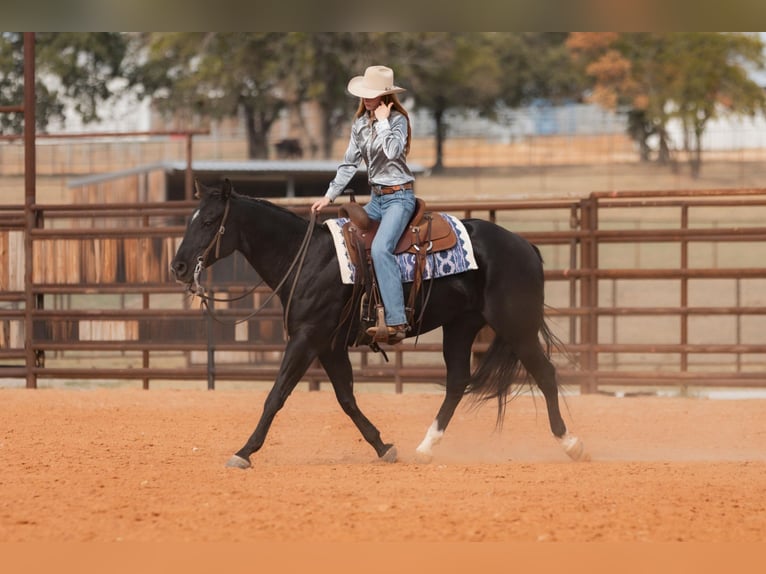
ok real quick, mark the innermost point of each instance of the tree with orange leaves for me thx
(692, 77)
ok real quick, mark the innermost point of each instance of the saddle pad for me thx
(439, 264)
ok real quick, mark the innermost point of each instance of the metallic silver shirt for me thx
(381, 146)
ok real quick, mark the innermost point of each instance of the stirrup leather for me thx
(380, 331)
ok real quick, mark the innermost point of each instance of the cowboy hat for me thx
(377, 81)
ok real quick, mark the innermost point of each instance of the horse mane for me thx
(267, 204)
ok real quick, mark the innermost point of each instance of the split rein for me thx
(199, 290)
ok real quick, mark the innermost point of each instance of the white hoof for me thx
(390, 455)
(424, 451)
(238, 462)
(423, 457)
(574, 448)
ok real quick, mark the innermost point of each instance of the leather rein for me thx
(215, 243)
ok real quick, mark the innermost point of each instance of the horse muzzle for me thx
(183, 273)
(187, 276)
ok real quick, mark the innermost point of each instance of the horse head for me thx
(205, 240)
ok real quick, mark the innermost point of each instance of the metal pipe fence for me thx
(644, 288)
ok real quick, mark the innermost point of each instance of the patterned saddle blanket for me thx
(457, 259)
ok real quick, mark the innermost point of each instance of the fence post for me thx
(30, 218)
(575, 221)
(589, 294)
(210, 342)
(188, 174)
(684, 243)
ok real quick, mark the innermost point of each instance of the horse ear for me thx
(198, 189)
(226, 189)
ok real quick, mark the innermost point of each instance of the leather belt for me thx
(386, 190)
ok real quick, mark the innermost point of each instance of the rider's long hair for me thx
(387, 99)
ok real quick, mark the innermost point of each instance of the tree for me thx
(217, 75)
(257, 75)
(77, 68)
(479, 71)
(692, 77)
(327, 61)
(712, 81)
(449, 71)
(260, 75)
(537, 65)
(626, 71)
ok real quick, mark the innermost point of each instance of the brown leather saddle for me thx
(426, 232)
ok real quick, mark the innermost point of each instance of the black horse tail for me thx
(500, 372)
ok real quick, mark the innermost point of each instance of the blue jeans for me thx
(393, 211)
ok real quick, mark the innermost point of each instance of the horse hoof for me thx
(238, 462)
(575, 448)
(390, 455)
(423, 457)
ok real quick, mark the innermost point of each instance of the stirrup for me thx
(388, 334)
(379, 332)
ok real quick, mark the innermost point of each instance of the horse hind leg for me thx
(424, 451)
(456, 347)
(574, 447)
(539, 366)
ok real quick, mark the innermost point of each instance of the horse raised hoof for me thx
(575, 448)
(238, 462)
(390, 455)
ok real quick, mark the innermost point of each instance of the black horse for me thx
(506, 293)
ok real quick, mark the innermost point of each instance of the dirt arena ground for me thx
(128, 467)
(131, 465)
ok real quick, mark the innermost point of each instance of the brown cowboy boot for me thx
(391, 334)
(397, 333)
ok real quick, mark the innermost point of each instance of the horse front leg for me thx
(295, 362)
(338, 367)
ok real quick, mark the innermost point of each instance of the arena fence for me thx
(643, 288)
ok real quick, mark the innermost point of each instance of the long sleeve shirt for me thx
(381, 145)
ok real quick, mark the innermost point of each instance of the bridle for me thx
(199, 290)
(300, 256)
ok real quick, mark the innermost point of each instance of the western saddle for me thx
(425, 233)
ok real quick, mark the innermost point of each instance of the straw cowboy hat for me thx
(377, 81)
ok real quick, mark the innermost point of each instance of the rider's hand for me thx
(320, 203)
(383, 111)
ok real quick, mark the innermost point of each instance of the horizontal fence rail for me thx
(644, 289)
